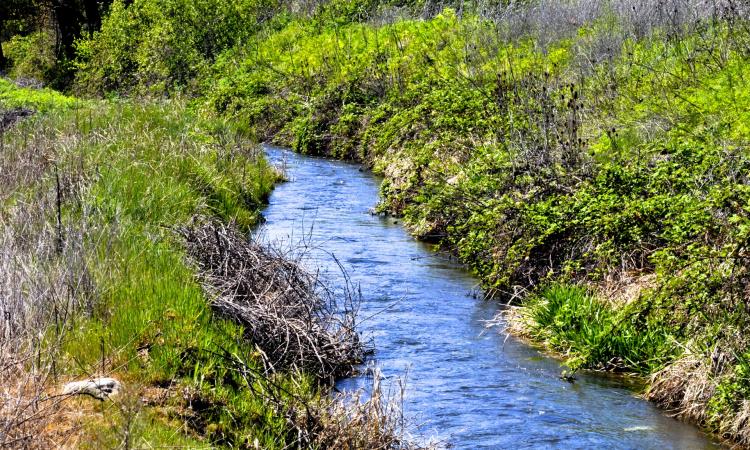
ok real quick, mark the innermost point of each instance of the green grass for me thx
(38, 99)
(593, 335)
(148, 167)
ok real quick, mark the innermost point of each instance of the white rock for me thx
(100, 388)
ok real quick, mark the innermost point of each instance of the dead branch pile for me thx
(289, 314)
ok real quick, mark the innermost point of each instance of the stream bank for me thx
(465, 385)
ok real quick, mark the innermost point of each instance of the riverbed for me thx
(465, 384)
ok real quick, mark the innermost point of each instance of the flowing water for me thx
(467, 385)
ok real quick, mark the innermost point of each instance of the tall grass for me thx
(95, 281)
(594, 335)
(44, 274)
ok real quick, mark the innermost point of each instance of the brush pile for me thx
(288, 313)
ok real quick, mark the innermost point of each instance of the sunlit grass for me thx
(143, 169)
(595, 335)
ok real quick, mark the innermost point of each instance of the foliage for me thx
(616, 149)
(526, 166)
(39, 99)
(159, 46)
(576, 323)
(54, 26)
(32, 57)
(545, 143)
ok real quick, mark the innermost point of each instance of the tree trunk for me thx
(68, 21)
(3, 59)
(93, 16)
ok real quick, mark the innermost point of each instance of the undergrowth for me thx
(113, 182)
(612, 149)
(547, 144)
(142, 169)
(591, 334)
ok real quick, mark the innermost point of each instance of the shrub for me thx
(32, 57)
(162, 46)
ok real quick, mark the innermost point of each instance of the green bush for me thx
(32, 56)
(163, 46)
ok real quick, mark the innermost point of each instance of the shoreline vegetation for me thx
(588, 160)
(109, 270)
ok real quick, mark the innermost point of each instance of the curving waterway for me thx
(465, 385)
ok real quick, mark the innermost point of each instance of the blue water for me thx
(465, 384)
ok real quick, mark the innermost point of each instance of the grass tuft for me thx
(593, 335)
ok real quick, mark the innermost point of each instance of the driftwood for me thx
(99, 388)
(288, 313)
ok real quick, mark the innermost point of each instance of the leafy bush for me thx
(160, 46)
(32, 56)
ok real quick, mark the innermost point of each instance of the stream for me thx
(467, 385)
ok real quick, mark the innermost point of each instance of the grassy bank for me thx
(110, 180)
(587, 159)
(96, 200)
(608, 153)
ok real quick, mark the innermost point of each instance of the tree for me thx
(3, 59)
(14, 10)
(73, 17)
(69, 18)
(92, 9)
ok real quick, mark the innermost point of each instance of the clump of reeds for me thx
(694, 388)
(684, 388)
(351, 422)
(740, 424)
(287, 311)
